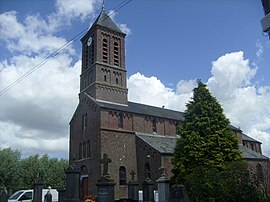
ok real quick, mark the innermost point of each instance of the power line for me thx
(55, 53)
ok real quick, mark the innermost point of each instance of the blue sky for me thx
(169, 45)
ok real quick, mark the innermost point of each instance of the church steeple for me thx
(103, 61)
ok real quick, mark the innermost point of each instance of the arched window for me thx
(84, 149)
(120, 120)
(154, 125)
(105, 50)
(86, 56)
(88, 148)
(80, 151)
(147, 171)
(92, 52)
(84, 121)
(260, 173)
(122, 175)
(116, 54)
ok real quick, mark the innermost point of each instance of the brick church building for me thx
(136, 137)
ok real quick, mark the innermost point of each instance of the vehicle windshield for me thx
(15, 195)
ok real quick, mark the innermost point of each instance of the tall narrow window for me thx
(105, 50)
(154, 125)
(88, 149)
(105, 78)
(120, 120)
(84, 121)
(116, 54)
(92, 52)
(84, 150)
(86, 56)
(117, 81)
(80, 151)
(122, 175)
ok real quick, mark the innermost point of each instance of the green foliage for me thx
(205, 137)
(17, 173)
(230, 184)
(207, 159)
(9, 170)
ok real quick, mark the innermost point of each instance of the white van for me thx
(27, 195)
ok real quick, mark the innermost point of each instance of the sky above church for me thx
(169, 45)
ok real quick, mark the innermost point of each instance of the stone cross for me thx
(105, 161)
(132, 173)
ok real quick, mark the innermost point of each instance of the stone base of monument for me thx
(105, 189)
(133, 190)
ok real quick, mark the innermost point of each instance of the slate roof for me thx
(163, 144)
(247, 138)
(250, 154)
(104, 20)
(143, 109)
(166, 144)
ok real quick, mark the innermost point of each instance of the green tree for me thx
(17, 173)
(205, 139)
(9, 168)
(207, 159)
(51, 170)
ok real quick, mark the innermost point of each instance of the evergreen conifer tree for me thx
(205, 138)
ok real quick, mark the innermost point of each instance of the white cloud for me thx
(152, 91)
(245, 104)
(70, 9)
(41, 106)
(35, 114)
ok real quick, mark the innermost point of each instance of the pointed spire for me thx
(103, 5)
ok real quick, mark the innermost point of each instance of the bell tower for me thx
(103, 73)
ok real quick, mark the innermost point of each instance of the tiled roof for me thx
(166, 145)
(250, 154)
(104, 20)
(142, 109)
(163, 144)
(247, 138)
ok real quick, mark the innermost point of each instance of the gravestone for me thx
(148, 190)
(105, 185)
(3, 194)
(178, 193)
(163, 187)
(61, 195)
(133, 188)
(38, 186)
(72, 184)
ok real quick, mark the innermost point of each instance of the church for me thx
(137, 138)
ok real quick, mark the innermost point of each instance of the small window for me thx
(84, 121)
(154, 124)
(260, 176)
(88, 148)
(80, 151)
(92, 52)
(116, 81)
(120, 120)
(84, 149)
(105, 78)
(122, 175)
